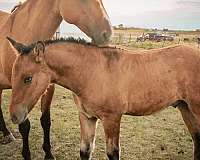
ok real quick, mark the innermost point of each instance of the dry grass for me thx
(127, 38)
(162, 136)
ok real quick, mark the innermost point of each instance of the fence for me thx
(124, 38)
(131, 39)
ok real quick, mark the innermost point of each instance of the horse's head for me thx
(90, 16)
(30, 79)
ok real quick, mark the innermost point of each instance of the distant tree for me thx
(165, 29)
(120, 26)
(198, 30)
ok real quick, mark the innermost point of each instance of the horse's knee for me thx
(114, 155)
(46, 124)
(24, 128)
(112, 130)
(45, 121)
(88, 127)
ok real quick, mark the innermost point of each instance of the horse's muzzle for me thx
(19, 117)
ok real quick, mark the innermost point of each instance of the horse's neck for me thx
(3, 17)
(70, 64)
(35, 20)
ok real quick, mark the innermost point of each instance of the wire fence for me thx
(126, 39)
(129, 39)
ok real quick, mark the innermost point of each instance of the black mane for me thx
(70, 40)
(29, 48)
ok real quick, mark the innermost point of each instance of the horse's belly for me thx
(145, 110)
(151, 103)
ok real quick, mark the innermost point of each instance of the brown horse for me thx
(40, 19)
(113, 83)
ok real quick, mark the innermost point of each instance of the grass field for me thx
(162, 136)
(128, 38)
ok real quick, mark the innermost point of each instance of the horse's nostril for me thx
(14, 118)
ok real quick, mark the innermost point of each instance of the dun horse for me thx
(40, 19)
(113, 83)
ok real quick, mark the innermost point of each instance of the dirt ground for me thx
(162, 136)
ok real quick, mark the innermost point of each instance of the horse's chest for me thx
(99, 105)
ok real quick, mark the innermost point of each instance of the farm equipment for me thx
(155, 37)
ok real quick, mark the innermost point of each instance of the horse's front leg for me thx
(46, 120)
(111, 124)
(24, 129)
(88, 128)
(8, 137)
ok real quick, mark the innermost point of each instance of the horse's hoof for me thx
(8, 139)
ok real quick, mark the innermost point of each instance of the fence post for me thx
(163, 43)
(120, 39)
(130, 37)
(179, 41)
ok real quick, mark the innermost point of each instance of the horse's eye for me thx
(28, 79)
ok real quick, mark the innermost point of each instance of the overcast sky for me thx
(173, 14)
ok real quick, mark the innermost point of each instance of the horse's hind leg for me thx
(46, 120)
(111, 124)
(88, 127)
(8, 137)
(192, 122)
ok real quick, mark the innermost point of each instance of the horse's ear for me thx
(18, 46)
(39, 51)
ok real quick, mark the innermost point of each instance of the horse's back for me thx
(160, 77)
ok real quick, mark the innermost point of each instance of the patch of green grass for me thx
(162, 136)
(149, 44)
